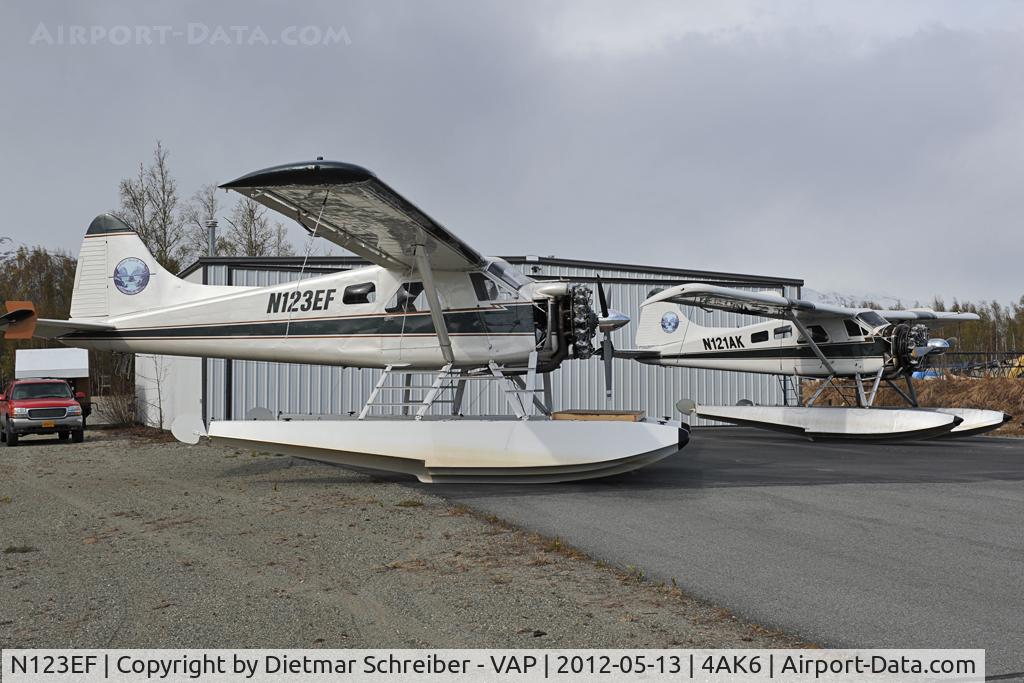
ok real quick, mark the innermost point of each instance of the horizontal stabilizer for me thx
(53, 329)
(20, 320)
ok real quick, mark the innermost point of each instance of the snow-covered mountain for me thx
(855, 299)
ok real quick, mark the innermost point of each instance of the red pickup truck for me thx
(40, 406)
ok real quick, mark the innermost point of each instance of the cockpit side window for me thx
(484, 287)
(852, 328)
(408, 299)
(508, 275)
(490, 287)
(818, 334)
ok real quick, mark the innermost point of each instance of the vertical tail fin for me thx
(661, 323)
(116, 273)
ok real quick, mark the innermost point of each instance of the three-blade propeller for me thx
(609, 321)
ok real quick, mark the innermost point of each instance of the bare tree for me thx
(280, 246)
(157, 379)
(252, 233)
(202, 207)
(175, 231)
(134, 208)
(150, 204)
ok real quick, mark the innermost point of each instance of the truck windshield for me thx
(41, 390)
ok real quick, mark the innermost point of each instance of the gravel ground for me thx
(127, 540)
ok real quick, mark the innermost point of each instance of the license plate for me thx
(49, 423)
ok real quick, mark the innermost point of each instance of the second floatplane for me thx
(856, 350)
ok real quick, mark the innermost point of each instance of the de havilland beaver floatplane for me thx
(429, 304)
(800, 338)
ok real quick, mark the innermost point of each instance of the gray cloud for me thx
(866, 148)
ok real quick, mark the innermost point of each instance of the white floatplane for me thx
(430, 304)
(802, 338)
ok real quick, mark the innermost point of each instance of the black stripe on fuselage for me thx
(873, 348)
(514, 319)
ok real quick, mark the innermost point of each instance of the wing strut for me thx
(810, 341)
(436, 314)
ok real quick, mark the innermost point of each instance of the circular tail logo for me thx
(131, 275)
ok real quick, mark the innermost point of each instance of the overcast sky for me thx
(862, 146)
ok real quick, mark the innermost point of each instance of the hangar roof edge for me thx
(321, 262)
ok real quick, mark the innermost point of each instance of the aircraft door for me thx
(408, 330)
(358, 336)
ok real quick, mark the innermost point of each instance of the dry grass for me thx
(117, 409)
(19, 549)
(145, 434)
(413, 564)
(989, 393)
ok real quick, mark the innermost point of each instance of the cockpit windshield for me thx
(872, 319)
(507, 274)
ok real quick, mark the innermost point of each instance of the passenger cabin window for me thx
(783, 332)
(408, 299)
(818, 334)
(759, 337)
(852, 328)
(484, 287)
(363, 293)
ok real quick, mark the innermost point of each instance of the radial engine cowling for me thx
(911, 346)
(583, 321)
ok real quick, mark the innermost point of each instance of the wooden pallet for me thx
(606, 415)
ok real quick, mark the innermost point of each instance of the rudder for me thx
(116, 273)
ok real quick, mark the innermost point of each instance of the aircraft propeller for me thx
(609, 321)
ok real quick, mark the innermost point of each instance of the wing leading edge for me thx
(771, 305)
(349, 206)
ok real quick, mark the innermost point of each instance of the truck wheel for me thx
(77, 435)
(12, 439)
(63, 436)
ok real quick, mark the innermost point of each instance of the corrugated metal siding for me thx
(307, 389)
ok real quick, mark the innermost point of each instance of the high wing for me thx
(926, 314)
(351, 207)
(771, 305)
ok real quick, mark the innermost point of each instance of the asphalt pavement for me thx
(844, 544)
